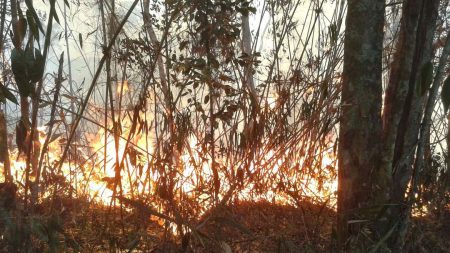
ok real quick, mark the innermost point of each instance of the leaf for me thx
(72, 98)
(35, 64)
(133, 155)
(333, 32)
(445, 94)
(20, 71)
(80, 38)
(183, 44)
(53, 10)
(44, 104)
(55, 137)
(30, 7)
(6, 93)
(20, 30)
(19, 11)
(110, 182)
(225, 78)
(32, 24)
(357, 221)
(55, 15)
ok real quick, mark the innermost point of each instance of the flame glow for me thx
(92, 171)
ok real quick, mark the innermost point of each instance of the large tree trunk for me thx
(360, 125)
(376, 160)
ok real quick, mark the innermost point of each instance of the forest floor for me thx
(241, 227)
(248, 227)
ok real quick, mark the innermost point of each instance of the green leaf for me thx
(33, 26)
(30, 7)
(35, 64)
(55, 16)
(445, 94)
(20, 71)
(6, 93)
(18, 64)
(53, 10)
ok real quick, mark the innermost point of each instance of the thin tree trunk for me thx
(24, 126)
(404, 106)
(399, 83)
(4, 153)
(408, 129)
(173, 156)
(248, 70)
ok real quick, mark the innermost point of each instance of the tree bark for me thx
(360, 124)
(376, 155)
(409, 125)
(399, 84)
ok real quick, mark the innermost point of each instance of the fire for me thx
(122, 87)
(93, 171)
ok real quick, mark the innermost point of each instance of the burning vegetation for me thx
(196, 126)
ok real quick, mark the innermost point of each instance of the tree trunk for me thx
(247, 49)
(360, 125)
(398, 89)
(408, 129)
(376, 159)
(4, 153)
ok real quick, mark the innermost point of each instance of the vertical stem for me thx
(4, 153)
